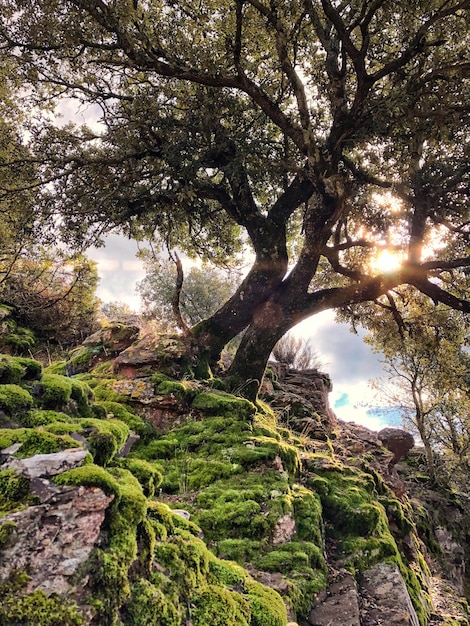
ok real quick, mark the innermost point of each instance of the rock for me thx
(284, 530)
(397, 441)
(138, 390)
(165, 354)
(182, 513)
(301, 398)
(51, 540)
(340, 607)
(130, 441)
(113, 338)
(47, 464)
(385, 598)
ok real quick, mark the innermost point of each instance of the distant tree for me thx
(204, 290)
(53, 295)
(296, 352)
(320, 133)
(427, 364)
(115, 309)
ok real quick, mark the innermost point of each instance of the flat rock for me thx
(341, 605)
(53, 539)
(385, 598)
(47, 464)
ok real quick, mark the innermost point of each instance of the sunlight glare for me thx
(387, 262)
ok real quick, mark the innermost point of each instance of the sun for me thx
(387, 262)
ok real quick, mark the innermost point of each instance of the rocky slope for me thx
(133, 494)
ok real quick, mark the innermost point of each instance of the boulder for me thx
(397, 441)
(46, 464)
(385, 598)
(53, 539)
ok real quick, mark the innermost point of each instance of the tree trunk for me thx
(236, 314)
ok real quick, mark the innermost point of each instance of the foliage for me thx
(204, 290)
(53, 295)
(320, 134)
(427, 364)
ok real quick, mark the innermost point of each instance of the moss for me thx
(10, 370)
(105, 438)
(221, 403)
(14, 398)
(35, 608)
(90, 475)
(219, 607)
(14, 491)
(6, 531)
(184, 391)
(149, 476)
(267, 606)
(83, 395)
(81, 360)
(148, 605)
(40, 417)
(42, 442)
(225, 572)
(308, 516)
(239, 550)
(58, 368)
(54, 391)
(123, 413)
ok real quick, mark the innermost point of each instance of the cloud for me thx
(119, 270)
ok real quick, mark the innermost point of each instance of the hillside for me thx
(132, 493)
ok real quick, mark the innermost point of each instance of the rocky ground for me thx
(132, 494)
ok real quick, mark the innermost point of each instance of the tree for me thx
(204, 290)
(53, 295)
(281, 125)
(427, 364)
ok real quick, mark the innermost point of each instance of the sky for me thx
(350, 362)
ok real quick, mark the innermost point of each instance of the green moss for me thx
(148, 605)
(14, 491)
(123, 413)
(90, 475)
(6, 531)
(219, 607)
(267, 606)
(82, 359)
(54, 391)
(308, 516)
(83, 396)
(221, 403)
(56, 368)
(40, 417)
(14, 398)
(239, 550)
(43, 442)
(149, 476)
(10, 370)
(184, 391)
(105, 438)
(225, 572)
(36, 608)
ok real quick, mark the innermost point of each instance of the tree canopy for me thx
(427, 370)
(320, 133)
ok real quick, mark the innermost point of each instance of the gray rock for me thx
(47, 464)
(340, 607)
(385, 598)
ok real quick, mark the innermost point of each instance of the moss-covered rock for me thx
(14, 399)
(53, 391)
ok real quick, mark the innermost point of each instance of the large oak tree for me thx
(319, 131)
